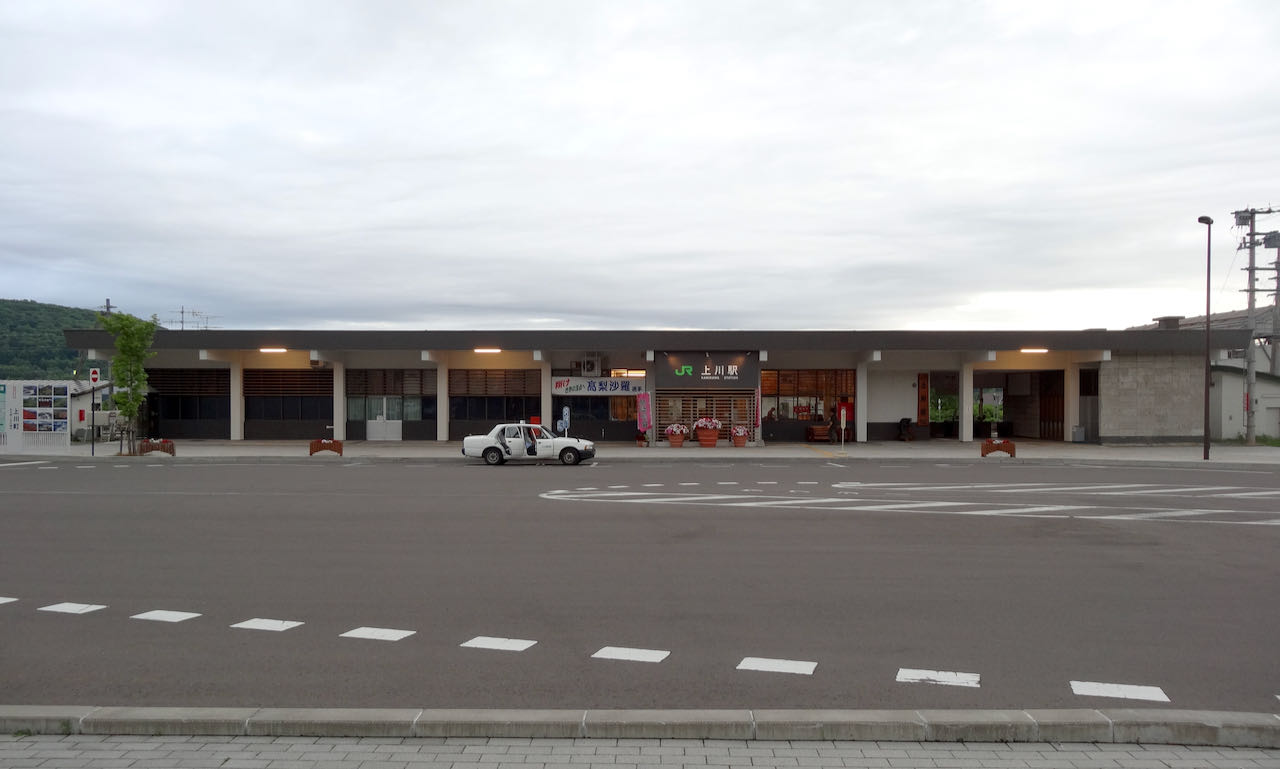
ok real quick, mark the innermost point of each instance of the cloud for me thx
(579, 164)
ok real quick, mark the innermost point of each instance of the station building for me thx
(1131, 386)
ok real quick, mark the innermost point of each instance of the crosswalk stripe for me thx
(274, 625)
(766, 665)
(631, 655)
(941, 677)
(162, 615)
(498, 644)
(378, 633)
(1123, 691)
(72, 608)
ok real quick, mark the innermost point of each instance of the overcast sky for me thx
(685, 164)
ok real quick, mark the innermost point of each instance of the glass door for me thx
(384, 415)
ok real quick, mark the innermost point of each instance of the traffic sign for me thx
(93, 375)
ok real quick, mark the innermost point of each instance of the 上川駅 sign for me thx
(707, 370)
(585, 385)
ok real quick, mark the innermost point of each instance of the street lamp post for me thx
(1208, 277)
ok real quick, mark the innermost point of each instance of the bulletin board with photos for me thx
(46, 408)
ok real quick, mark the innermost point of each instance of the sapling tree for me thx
(133, 347)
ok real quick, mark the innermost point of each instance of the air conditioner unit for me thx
(591, 366)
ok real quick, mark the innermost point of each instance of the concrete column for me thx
(964, 404)
(442, 401)
(339, 401)
(1071, 400)
(237, 400)
(548, 419)
(862, 395)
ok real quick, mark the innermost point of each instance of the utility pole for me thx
(1249, 216)
(1272, 240)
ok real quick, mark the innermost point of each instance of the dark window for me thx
(170, 406)
(429, 408)
(190, 407)
(215, 407)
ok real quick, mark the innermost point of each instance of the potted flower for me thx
(707, 430)
(739, 434)
(642, 437)
(676, 433)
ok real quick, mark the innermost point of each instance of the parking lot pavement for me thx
(162, 752)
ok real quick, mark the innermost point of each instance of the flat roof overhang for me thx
(1145, 340)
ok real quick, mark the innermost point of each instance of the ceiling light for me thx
(1034, 349)
(487, 349)
(272, 349)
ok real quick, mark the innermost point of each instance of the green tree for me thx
(133, 347)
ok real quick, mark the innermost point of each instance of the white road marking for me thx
(654, 485)
(275, 625)
(499, 644)
(72, 608)
(7, 600)
(726, 483)
(767, 665)
(631, 655)
(46, 468)
(161, 615)
(690, 484)
(942, 677)
(85, 467)
(378, 633)
(21, 464)
(1271, 493)
(618, 487)
(1167, 490)
(806, 483)
(767, 483)
(1122, 691)
(1157, 514)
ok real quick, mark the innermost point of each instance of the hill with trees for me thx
(31, 341)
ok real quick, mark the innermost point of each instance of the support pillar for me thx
(964, 403)
(861, 400)
(339, 401)
(1071, 400)
(442, 401)
(237, 400)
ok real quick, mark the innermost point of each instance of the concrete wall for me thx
(1151, 398)
(892, 396)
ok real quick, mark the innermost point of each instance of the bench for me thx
(818, 433)
(999, 444)
(326, 444)
(148, 445)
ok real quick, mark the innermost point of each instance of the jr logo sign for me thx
(709, 370)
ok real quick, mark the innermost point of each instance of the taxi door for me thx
(546, 448)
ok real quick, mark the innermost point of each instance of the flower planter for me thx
(739, 440)
(676, 441)
(707, 437)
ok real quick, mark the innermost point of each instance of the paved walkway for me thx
(931, 450)
(101, 752)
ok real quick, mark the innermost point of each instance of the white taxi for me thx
(519, 441)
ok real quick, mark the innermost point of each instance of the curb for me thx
(726, 458)
(1165, 727)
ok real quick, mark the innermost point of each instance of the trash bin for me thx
(1077, 434)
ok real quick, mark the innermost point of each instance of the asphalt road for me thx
(1013, 580)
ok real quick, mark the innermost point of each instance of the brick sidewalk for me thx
(104, 752)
